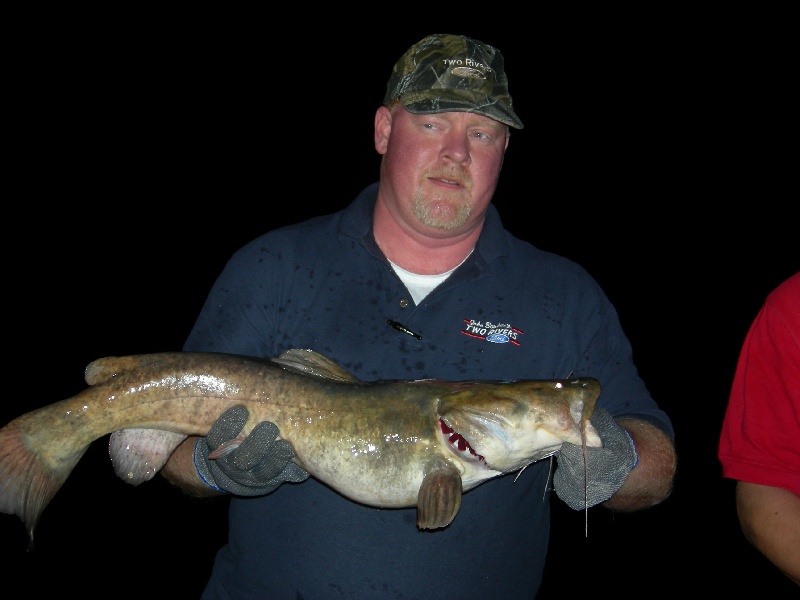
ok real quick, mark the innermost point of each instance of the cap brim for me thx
(462, 101)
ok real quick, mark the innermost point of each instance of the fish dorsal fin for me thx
(439, 498)
(107, 367)
(103, 369)
(309, 362)
(98, 371)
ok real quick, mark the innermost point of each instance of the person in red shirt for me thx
(760, 441)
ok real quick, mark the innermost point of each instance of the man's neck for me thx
(417, 253)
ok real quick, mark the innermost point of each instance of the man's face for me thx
(439, 172)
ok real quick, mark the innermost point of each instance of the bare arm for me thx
(180, 470)
(650, 482)
(770, 520)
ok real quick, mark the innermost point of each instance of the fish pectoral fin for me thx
(439, 498)
(225, 448)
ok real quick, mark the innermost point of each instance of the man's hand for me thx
(605, 470)
(257, 466)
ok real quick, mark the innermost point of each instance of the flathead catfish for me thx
(387, 444)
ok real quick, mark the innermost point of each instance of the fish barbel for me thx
(388, 444)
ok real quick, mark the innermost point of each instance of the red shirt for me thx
(760, 440)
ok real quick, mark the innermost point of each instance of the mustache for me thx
(458, 174)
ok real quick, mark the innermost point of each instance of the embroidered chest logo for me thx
(496, 333)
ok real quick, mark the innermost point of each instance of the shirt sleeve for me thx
(760, 438)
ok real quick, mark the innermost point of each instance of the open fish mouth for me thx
(459, 444)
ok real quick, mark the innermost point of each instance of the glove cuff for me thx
(201, 448)
(633, 448)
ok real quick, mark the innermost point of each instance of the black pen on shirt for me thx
(403, 329)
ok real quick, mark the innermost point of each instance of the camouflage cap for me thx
(452, 73)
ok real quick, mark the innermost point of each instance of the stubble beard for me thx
(442, 211)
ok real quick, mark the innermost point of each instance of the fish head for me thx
(507, 425)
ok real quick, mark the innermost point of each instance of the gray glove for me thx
(606, 467)
(256, 467)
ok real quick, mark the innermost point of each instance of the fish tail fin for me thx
(28, 483)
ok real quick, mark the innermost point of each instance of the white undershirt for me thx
(420, 286)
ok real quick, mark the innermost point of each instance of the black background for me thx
(146, 147)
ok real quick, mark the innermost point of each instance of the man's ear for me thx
(383, 129)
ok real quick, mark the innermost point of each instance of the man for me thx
(409, 282)
(759, 445)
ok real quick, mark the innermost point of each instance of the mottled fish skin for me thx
(386, 444)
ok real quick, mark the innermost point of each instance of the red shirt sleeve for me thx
(760, 439)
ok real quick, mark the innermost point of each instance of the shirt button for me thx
(403, 303)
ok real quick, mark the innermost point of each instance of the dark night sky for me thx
(152, 147)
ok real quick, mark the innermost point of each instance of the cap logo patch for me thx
(467, 72)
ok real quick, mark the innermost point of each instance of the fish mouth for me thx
(459, 444)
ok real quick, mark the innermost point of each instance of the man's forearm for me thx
(180, 470)
(650, 482)
(770, 520)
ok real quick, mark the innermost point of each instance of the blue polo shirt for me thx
(510, 311)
